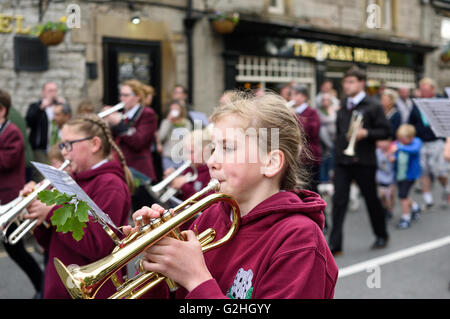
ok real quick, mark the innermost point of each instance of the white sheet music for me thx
(447, 91)
(437, 112)
(64, 183)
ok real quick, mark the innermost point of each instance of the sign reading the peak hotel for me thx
(322, 51)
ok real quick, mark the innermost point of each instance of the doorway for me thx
(125, 59)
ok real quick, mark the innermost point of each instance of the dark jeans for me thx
(364, 176)
(326, 166)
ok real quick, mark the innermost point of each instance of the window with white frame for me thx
(394, 77)
(276, 70)
(445, 29)
(276, 6)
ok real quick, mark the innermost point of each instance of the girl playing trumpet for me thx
(87, 143)
(279, 250)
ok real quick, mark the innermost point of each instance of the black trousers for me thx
(25, 261)
(364, 176)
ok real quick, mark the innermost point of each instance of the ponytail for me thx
(102, 130)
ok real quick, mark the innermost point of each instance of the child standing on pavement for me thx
(407, 170)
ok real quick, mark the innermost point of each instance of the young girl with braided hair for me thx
(87, 143)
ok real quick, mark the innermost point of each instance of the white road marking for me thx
(404, 253)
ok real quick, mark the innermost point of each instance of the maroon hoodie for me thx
(279, 251)
(136, 141)
(310, 121)
(106, 186)
(203, 178)
(12, 162)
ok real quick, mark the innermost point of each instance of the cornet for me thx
(85, 281)
(162, 192)
(12, 212)
(111, 110)
(356, 122)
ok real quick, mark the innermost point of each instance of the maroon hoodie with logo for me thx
(279, 251)
(106, 186)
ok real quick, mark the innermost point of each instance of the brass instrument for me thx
(85, 281)
(162, 192)
(356, 122)
(12, 212)
(111, 110)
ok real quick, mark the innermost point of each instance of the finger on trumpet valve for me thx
(155, 222)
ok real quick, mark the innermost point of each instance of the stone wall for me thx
(67, 61)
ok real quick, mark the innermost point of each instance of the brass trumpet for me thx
(356, 122)
(162, 193)
(111, 110)
(12, 212)
(85, 281)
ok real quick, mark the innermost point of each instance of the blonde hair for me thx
(429, 81)
(148, 89)
(54, 153)
(85, 106)
(269, 111)
(391, 94)
(92, 125)
(406, 130)
(137, 88)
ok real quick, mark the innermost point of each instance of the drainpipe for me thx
(189, 23)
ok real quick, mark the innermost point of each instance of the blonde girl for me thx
(279, 250)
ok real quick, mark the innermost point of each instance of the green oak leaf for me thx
(62, 199)
(62, 214)
(77, 229)
(48, 197)
(71, 216)
(82, 211)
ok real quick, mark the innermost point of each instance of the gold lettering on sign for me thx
(6, 24)
(340, 53)
(19, 29)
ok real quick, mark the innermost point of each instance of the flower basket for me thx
(223, 26)
(224, 23)
(51, 33)
(52, 37)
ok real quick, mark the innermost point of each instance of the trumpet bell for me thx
(349, 151)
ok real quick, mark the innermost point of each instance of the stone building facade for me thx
(85, 65)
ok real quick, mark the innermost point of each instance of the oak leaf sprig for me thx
(72, 216)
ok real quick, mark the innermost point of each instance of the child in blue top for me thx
(385, 175)
(407, 168)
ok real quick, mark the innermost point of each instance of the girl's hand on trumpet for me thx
(28, 188)
(36, 209)
(182, 261)
(113, 118)
(39, 211)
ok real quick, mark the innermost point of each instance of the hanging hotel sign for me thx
(10, 23)
(322, 51)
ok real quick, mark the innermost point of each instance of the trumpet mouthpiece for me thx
(214, 184)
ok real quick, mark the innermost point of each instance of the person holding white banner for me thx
(431, 158)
